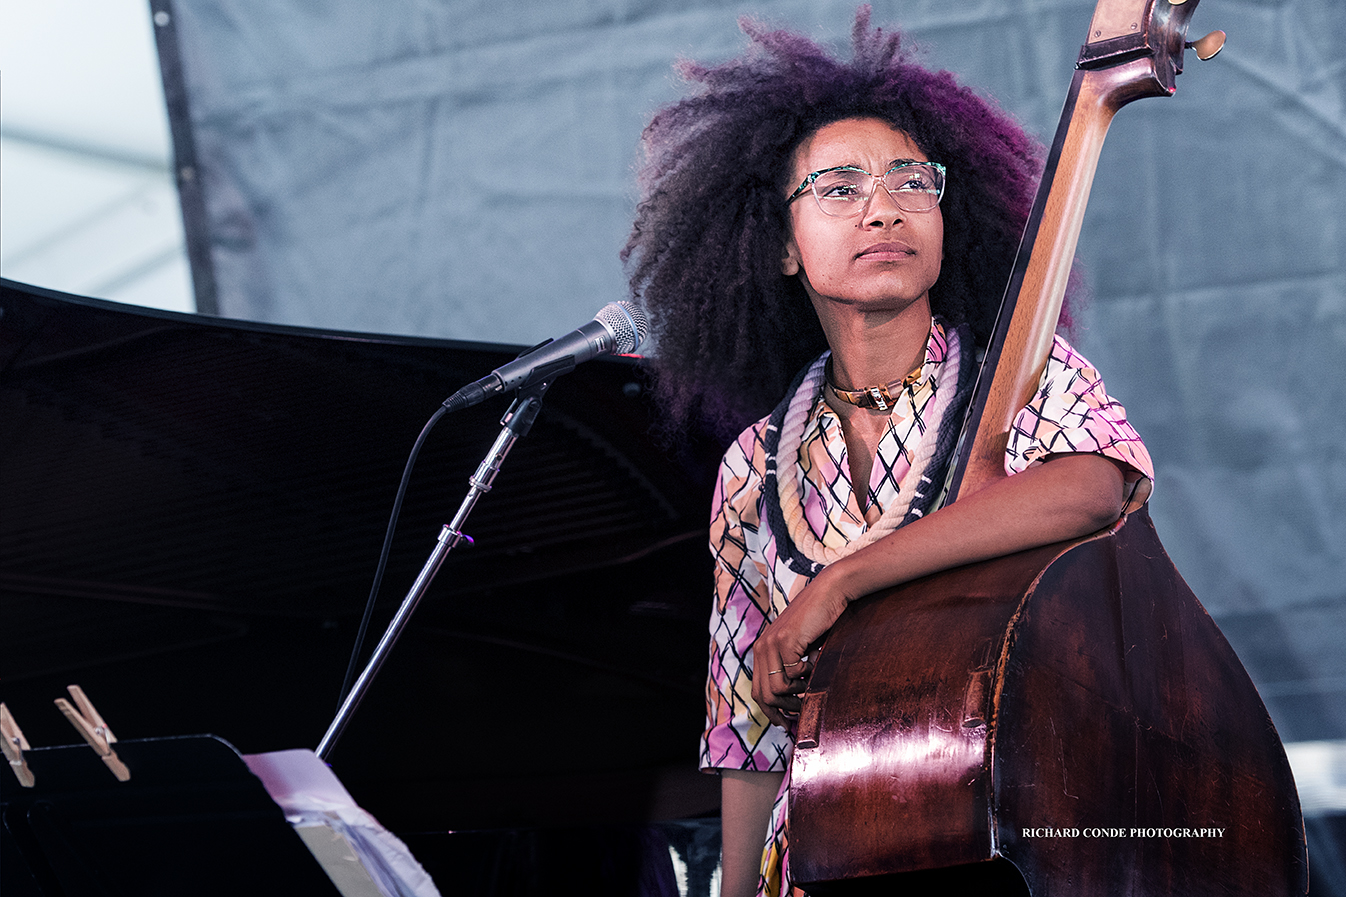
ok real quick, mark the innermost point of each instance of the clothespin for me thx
(89, 724)
(14, 744)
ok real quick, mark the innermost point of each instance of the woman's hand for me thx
(781, 662)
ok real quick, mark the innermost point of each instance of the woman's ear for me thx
(789, 263)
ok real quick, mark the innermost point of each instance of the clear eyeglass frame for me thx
(908, 199)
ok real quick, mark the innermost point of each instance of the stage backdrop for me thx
(334, 151)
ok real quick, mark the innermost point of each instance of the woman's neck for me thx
(870, 349)
(874, 348)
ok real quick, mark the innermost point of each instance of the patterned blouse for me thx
(1071, 412)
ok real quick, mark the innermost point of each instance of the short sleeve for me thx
(1072, 412)
(738, 735)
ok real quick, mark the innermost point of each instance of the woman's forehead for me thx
(863, 142)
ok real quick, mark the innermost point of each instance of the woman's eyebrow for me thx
(858, 166)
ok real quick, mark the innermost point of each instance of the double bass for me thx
(1066, 720)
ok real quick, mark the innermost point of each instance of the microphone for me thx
(618, 328)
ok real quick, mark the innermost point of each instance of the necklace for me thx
(879, 398)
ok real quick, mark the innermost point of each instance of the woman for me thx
(858, 220)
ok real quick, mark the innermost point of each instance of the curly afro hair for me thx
(704, 252)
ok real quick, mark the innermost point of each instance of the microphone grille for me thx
(626, 322)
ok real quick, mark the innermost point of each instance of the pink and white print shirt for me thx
(1071, 412)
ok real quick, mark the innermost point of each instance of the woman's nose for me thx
(881, 207)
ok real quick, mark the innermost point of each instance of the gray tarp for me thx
(340, 143)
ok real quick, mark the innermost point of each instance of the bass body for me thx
(1072, 710)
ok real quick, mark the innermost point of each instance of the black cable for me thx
(383, 556)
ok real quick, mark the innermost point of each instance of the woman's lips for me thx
(881, 251)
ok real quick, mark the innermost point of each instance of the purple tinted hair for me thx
(705, 249)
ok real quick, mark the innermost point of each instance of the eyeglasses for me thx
(845, 191)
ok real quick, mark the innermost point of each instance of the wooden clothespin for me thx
(89, 724)
(14, 744)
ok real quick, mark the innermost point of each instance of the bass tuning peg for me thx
(1207, 46)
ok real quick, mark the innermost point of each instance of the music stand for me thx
(192, 819)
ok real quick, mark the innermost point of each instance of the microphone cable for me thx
(383, 555)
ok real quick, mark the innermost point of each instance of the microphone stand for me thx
(518, 420)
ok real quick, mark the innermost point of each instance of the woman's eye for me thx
(841, 191)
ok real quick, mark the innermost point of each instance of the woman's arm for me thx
(737, 742)
(1065, 497)
(745, 813)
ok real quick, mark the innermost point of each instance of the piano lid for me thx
(191, 511)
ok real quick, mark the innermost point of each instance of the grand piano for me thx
(191, 512)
